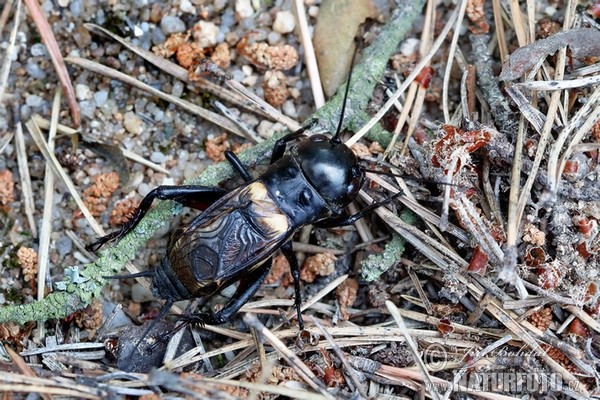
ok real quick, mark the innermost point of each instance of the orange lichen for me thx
(215, 148)
(262, 55)
(279, 269)
(476, 14)
(346, 293)
(189, 54)
(275, 88)
(171, 45)
(96, 196)
(321, 264)
(122, 211)
(221, 55)
(6, 190)
(28, 260)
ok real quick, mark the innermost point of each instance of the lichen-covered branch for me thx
(87, 283)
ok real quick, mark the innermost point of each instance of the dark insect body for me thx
(235, 237)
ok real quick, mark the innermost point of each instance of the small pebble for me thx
(243, 9)
(205, 34)
(82, 92)
(38, 50)
(170, 25)
(289, 109)
(35, 71)
(158, 157)
(33, 100)
(100, 97)
(76, 7)
(87, 108)
(143, 189)
(64, 245)
(132, 123)
(158, 36)
(313, 11)
(82, 37)
(187, 7)
(63, 3)
(177, 89)
(284, 22)
(273, 38)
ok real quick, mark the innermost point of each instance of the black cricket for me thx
(235, 237)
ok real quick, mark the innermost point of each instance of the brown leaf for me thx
(334, 38)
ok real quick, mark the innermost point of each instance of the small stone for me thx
(313, 11)
(87, 108)
(100, 97)
(243, 9)
(76, 7)
(33, 100)
(64, 245)
(132, 123)
(177, 89)
(82, 92)
(170, 25)
(284, 22)
(187, 7)
(289, 109)
(38, 50)
(82, 37)
(143, 189)
(35, 71)
(63, 3)
(205, 34)
(157, 157)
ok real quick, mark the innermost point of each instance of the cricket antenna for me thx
(336, 138)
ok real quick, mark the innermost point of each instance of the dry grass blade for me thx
(436, 252)
(424, 61)
(23, 366)
(30, 384)
(57, 60)
(25, 177)
(309, 55)
(39, 140)
(413, 348)
(10, 49)
(476, 358)
(451, 53)
(566, 84)
(496, 309)
(556, 163)
(349, 369)
(292, 359)
(65, 130)
(186, 105)
(46, 228)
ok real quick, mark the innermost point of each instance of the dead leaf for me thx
(334, 38)
(583, 43)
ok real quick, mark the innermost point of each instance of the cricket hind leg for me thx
(193, 196)
(246, 289)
